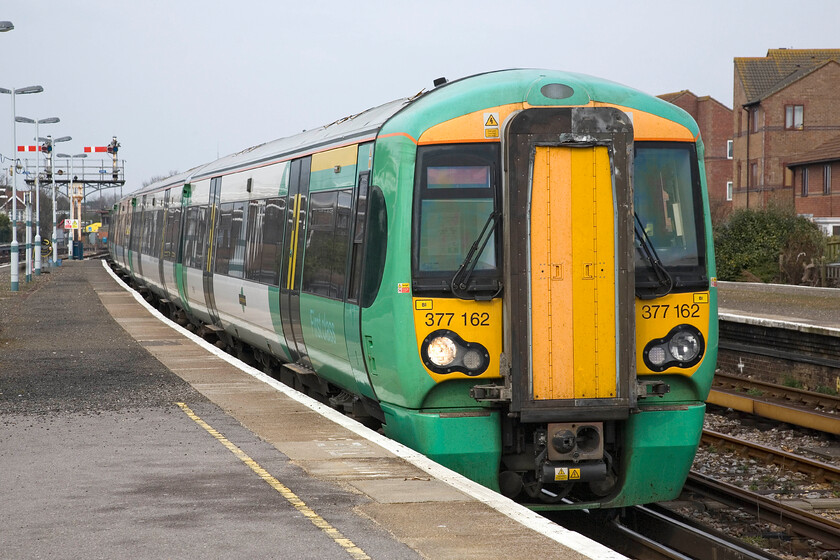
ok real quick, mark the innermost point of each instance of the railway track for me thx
(793, 520)
(653, 532)
(794, 406)
(817, 470)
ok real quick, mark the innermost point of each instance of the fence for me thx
(832, 251)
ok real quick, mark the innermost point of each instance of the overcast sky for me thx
(180, 82)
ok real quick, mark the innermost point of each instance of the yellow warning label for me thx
(491, 121)
(423, 304)
(491, 132)
(562, 474)
(701, 298)
(574, 474)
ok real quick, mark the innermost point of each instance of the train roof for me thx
(411, 114)
(531, 87)
(345, 130)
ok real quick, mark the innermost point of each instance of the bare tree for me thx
(157, 178)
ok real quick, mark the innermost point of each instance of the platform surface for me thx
(121, 437)
(819, 307)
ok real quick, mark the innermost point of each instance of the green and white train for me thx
(511, 273)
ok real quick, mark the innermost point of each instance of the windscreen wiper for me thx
(462, 275)
(666, 283)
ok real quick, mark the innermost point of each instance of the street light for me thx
(70, 239)
(52, 141)
(14, 249)
(36, 122)
(6, 26)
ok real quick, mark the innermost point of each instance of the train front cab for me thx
(553, 296)
(606, 424)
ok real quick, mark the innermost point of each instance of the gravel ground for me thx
(769, 480)
(61, 352)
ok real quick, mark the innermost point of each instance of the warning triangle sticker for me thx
(491, 121)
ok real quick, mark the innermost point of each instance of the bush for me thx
(772, 244)
(5, 229)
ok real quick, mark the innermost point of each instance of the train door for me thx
(570, 264)
(164, 222)
(572, 274)
(290, 280)
(207, 271)
(352, 311)
(137, 237)
(182, 233)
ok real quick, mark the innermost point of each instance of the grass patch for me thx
(793, 383)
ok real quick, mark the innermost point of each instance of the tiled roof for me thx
(671, 97)
(780, 68)
(829, 151)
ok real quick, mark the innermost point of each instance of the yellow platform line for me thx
(354, 551)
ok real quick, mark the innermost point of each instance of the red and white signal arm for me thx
(89, 149)
(29, 148)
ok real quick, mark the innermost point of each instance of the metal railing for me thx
(84, 170)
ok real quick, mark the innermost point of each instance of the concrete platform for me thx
(795, 307)
(105, 453)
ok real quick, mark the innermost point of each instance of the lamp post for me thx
(70, 239)
(37, 123)
(14, 249)
(51, 142)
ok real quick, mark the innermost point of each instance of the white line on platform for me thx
(778, 323)
(508, 507)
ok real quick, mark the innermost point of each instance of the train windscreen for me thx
(455, 214)
(668, 205)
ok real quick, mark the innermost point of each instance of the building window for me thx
(827, 178)
(754, 118)
(753, 175)
(804, 181)
(729, 149)
(729, 190)
(794, 117)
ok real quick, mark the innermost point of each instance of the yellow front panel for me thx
(656, 317)
(473, 321)
(572, 274)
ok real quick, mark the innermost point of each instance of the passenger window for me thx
(327, 244)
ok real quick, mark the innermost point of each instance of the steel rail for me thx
(654, 532)
(737, 398)
(800, 522)
(821, 472)
(680, 534)
(794, 395)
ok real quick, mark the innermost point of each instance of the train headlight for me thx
(443, 351)
(682, 347)
(657, 355)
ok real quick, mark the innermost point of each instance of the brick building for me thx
(715, 122)
(787, 113)
(816, 185)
